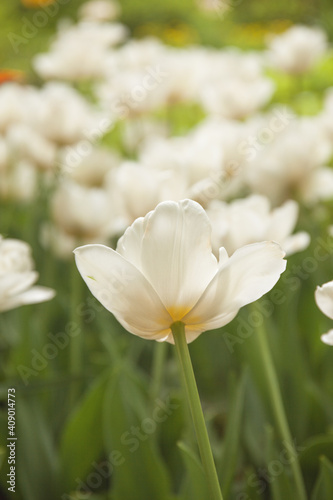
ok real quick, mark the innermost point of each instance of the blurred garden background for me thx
(107, 109)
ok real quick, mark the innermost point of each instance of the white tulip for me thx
(324, 300)
(63, 116)
(164, 271)
(18, 181)
(235, 85)
(17, 276)
(79, 52)
(250, 220)
(16, 103)
(27, 144)
(136, 189)
(289, 163)
(83, 213)
(99, 10)
(90, 170)
(298, 49)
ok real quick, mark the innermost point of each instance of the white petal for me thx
(318, 185)
(296, 242)
(247, 275)
(190, 332)
(327, 338)
(254, 203)
(282, 222)
(177, 256)
(123, 290)
(14, 283)
(35, 295)
(324, 298)
(130, 244)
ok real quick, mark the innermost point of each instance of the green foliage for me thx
(81, 441)
(195, 487)
(110, 434)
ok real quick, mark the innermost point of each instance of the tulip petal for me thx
(130, 244)
(177, 256)
(324, 298)
(123, 290)
(327, 338)
(35, 295)
(282, 221)
(247, 275)
(296, 242)
(15, 283)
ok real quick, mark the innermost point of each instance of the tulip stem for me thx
(279, 411)
(159, 355)
(178, 331)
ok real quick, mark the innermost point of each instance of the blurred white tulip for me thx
(289, 163)
(24, 143)
(17, 276)
(62, 114)
(136, 189)
(250, 220)
(81, 211)
(298, 49)
(16, 103)
(235, 85)
(89, 170)
(99, 10)
(80, 51)
(18, 181)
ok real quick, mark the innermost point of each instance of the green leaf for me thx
(35, 454)
(130, 429)
(324, 485)
(254, 486)
(310, 454)
(195, 487)
(82, 441)
(277, 469)
(226, 466)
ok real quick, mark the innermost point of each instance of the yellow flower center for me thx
(178, 312)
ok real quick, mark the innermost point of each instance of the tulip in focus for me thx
(17, 276)
(163, 271)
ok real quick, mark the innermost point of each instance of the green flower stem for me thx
(278, 409)
(178, 331)
(160, 352)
